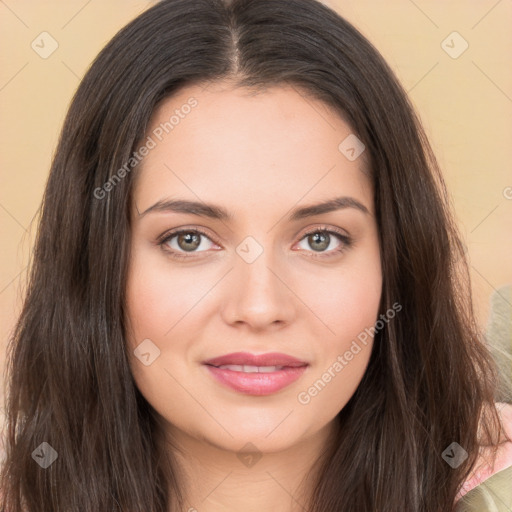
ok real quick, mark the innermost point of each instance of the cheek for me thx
(156, 297)
(157, 304)
(345, 300)
(345, 350)
(162, 303)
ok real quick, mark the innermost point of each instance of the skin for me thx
(259, 157)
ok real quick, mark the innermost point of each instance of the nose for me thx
(258, 295)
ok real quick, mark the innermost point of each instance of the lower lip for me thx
(257, 383)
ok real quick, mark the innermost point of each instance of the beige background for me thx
(465, 104)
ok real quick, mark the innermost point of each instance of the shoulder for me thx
(487, 466)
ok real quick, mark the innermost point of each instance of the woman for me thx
(247, 290)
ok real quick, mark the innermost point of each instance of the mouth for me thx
(256, 375)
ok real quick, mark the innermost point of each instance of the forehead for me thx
(271, 146)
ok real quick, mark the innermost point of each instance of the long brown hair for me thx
(430, 377)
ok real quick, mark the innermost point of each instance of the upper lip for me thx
(247, 359)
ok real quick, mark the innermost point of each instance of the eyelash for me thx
(346, 242)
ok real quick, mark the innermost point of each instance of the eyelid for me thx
(323, 227)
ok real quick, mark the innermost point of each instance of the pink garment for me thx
(485, 467)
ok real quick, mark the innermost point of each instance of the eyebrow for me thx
(218, 212)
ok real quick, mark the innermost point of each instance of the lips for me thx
(257, 360)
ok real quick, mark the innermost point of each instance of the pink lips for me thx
(255, 383)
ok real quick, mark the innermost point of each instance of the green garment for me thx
(493, 495)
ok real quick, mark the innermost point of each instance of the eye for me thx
(190, 241)
(187, 241)
(321, 239)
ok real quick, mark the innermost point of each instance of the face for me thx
(269, 276)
